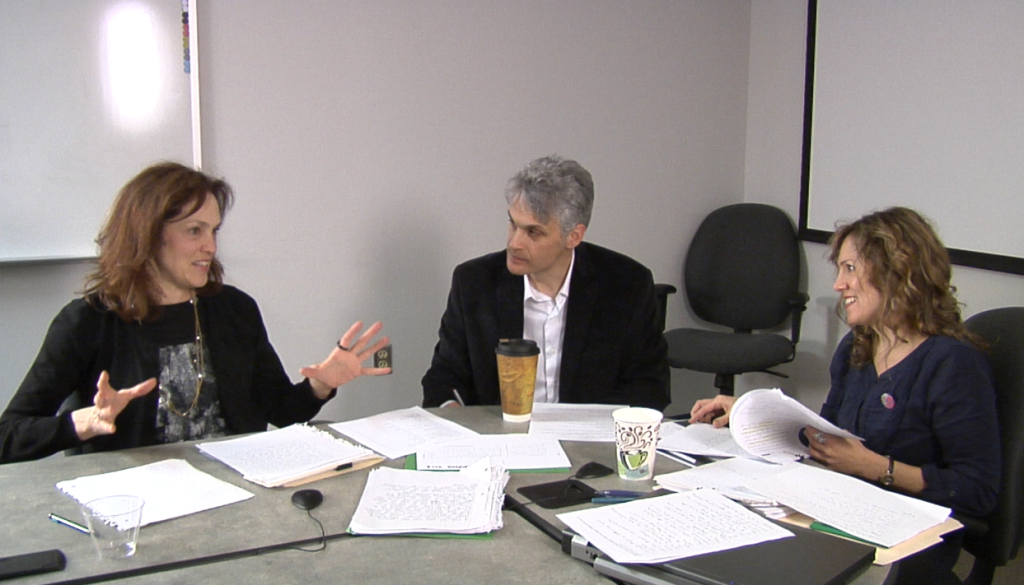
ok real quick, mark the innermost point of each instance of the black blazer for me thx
(614, 351)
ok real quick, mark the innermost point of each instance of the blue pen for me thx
(606, 500)
(615, 496)
(68, 523)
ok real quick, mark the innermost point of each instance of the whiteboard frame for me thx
(197, 143)
(971, 258)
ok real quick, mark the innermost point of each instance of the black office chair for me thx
(742, 271)
(995, 540)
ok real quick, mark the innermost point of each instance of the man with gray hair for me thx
(592, 311)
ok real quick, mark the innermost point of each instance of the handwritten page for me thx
(513, 452)
(656, 530)
(169, 488)
(400, 432)
(574, 422)
(282, 456)
(401, 501)
(767, 424)
(851, 505)
(703, 439)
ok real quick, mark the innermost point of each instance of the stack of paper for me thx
(288, 456)
(170, 488)
(402, 501)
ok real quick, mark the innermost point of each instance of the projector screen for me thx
(918, 103)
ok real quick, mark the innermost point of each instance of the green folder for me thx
(833, 530)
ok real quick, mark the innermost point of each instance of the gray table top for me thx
(518, 553)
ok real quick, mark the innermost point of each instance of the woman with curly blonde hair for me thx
(908, 378)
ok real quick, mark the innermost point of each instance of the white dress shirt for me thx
(544, 322)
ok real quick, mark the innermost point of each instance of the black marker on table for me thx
(68, 523)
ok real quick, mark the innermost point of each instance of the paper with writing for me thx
(654, 530)
(513, 452)
(851, 505)
(703, 439)
(767, 424)
(397, 501)
(400, 432)
(281, 456)
(574, 422)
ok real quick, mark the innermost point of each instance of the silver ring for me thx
(820, 438)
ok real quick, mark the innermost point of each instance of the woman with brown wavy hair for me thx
(908, 378)
(156, 315)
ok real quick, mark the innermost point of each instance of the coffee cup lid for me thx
(517, 347)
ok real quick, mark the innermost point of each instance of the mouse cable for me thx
(323, 536)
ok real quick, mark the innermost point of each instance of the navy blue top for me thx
(935, 409)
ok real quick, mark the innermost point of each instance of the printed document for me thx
(400, 432)
(170, 488)
(574, 422)
(661, 529)
(513, 452)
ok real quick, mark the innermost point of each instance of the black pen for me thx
(68, 523)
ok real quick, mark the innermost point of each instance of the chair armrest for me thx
(798, 304)
(661, 292)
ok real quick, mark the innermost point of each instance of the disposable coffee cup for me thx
(517, 374)
(636, 441)
(113, 523)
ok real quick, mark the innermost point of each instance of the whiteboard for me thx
(918, 103)
(93, 91)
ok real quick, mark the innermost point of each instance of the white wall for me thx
(369, 144)
(774, 130)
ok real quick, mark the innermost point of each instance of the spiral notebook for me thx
(290, 456)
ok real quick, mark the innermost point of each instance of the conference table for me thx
(258, 540)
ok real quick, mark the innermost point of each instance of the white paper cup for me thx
(636, 441)
(113, 523)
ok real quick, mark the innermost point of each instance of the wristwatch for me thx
(887, 479)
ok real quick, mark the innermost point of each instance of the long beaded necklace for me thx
(199, 361)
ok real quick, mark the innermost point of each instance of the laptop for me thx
(808, 558)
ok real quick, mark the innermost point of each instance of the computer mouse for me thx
(307, 499)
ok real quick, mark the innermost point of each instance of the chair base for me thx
(726, 384)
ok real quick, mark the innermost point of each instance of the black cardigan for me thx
(82, 341)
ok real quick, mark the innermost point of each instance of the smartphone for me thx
(558, 494)
(32, 563)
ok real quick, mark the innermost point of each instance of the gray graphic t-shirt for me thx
(180, 415)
